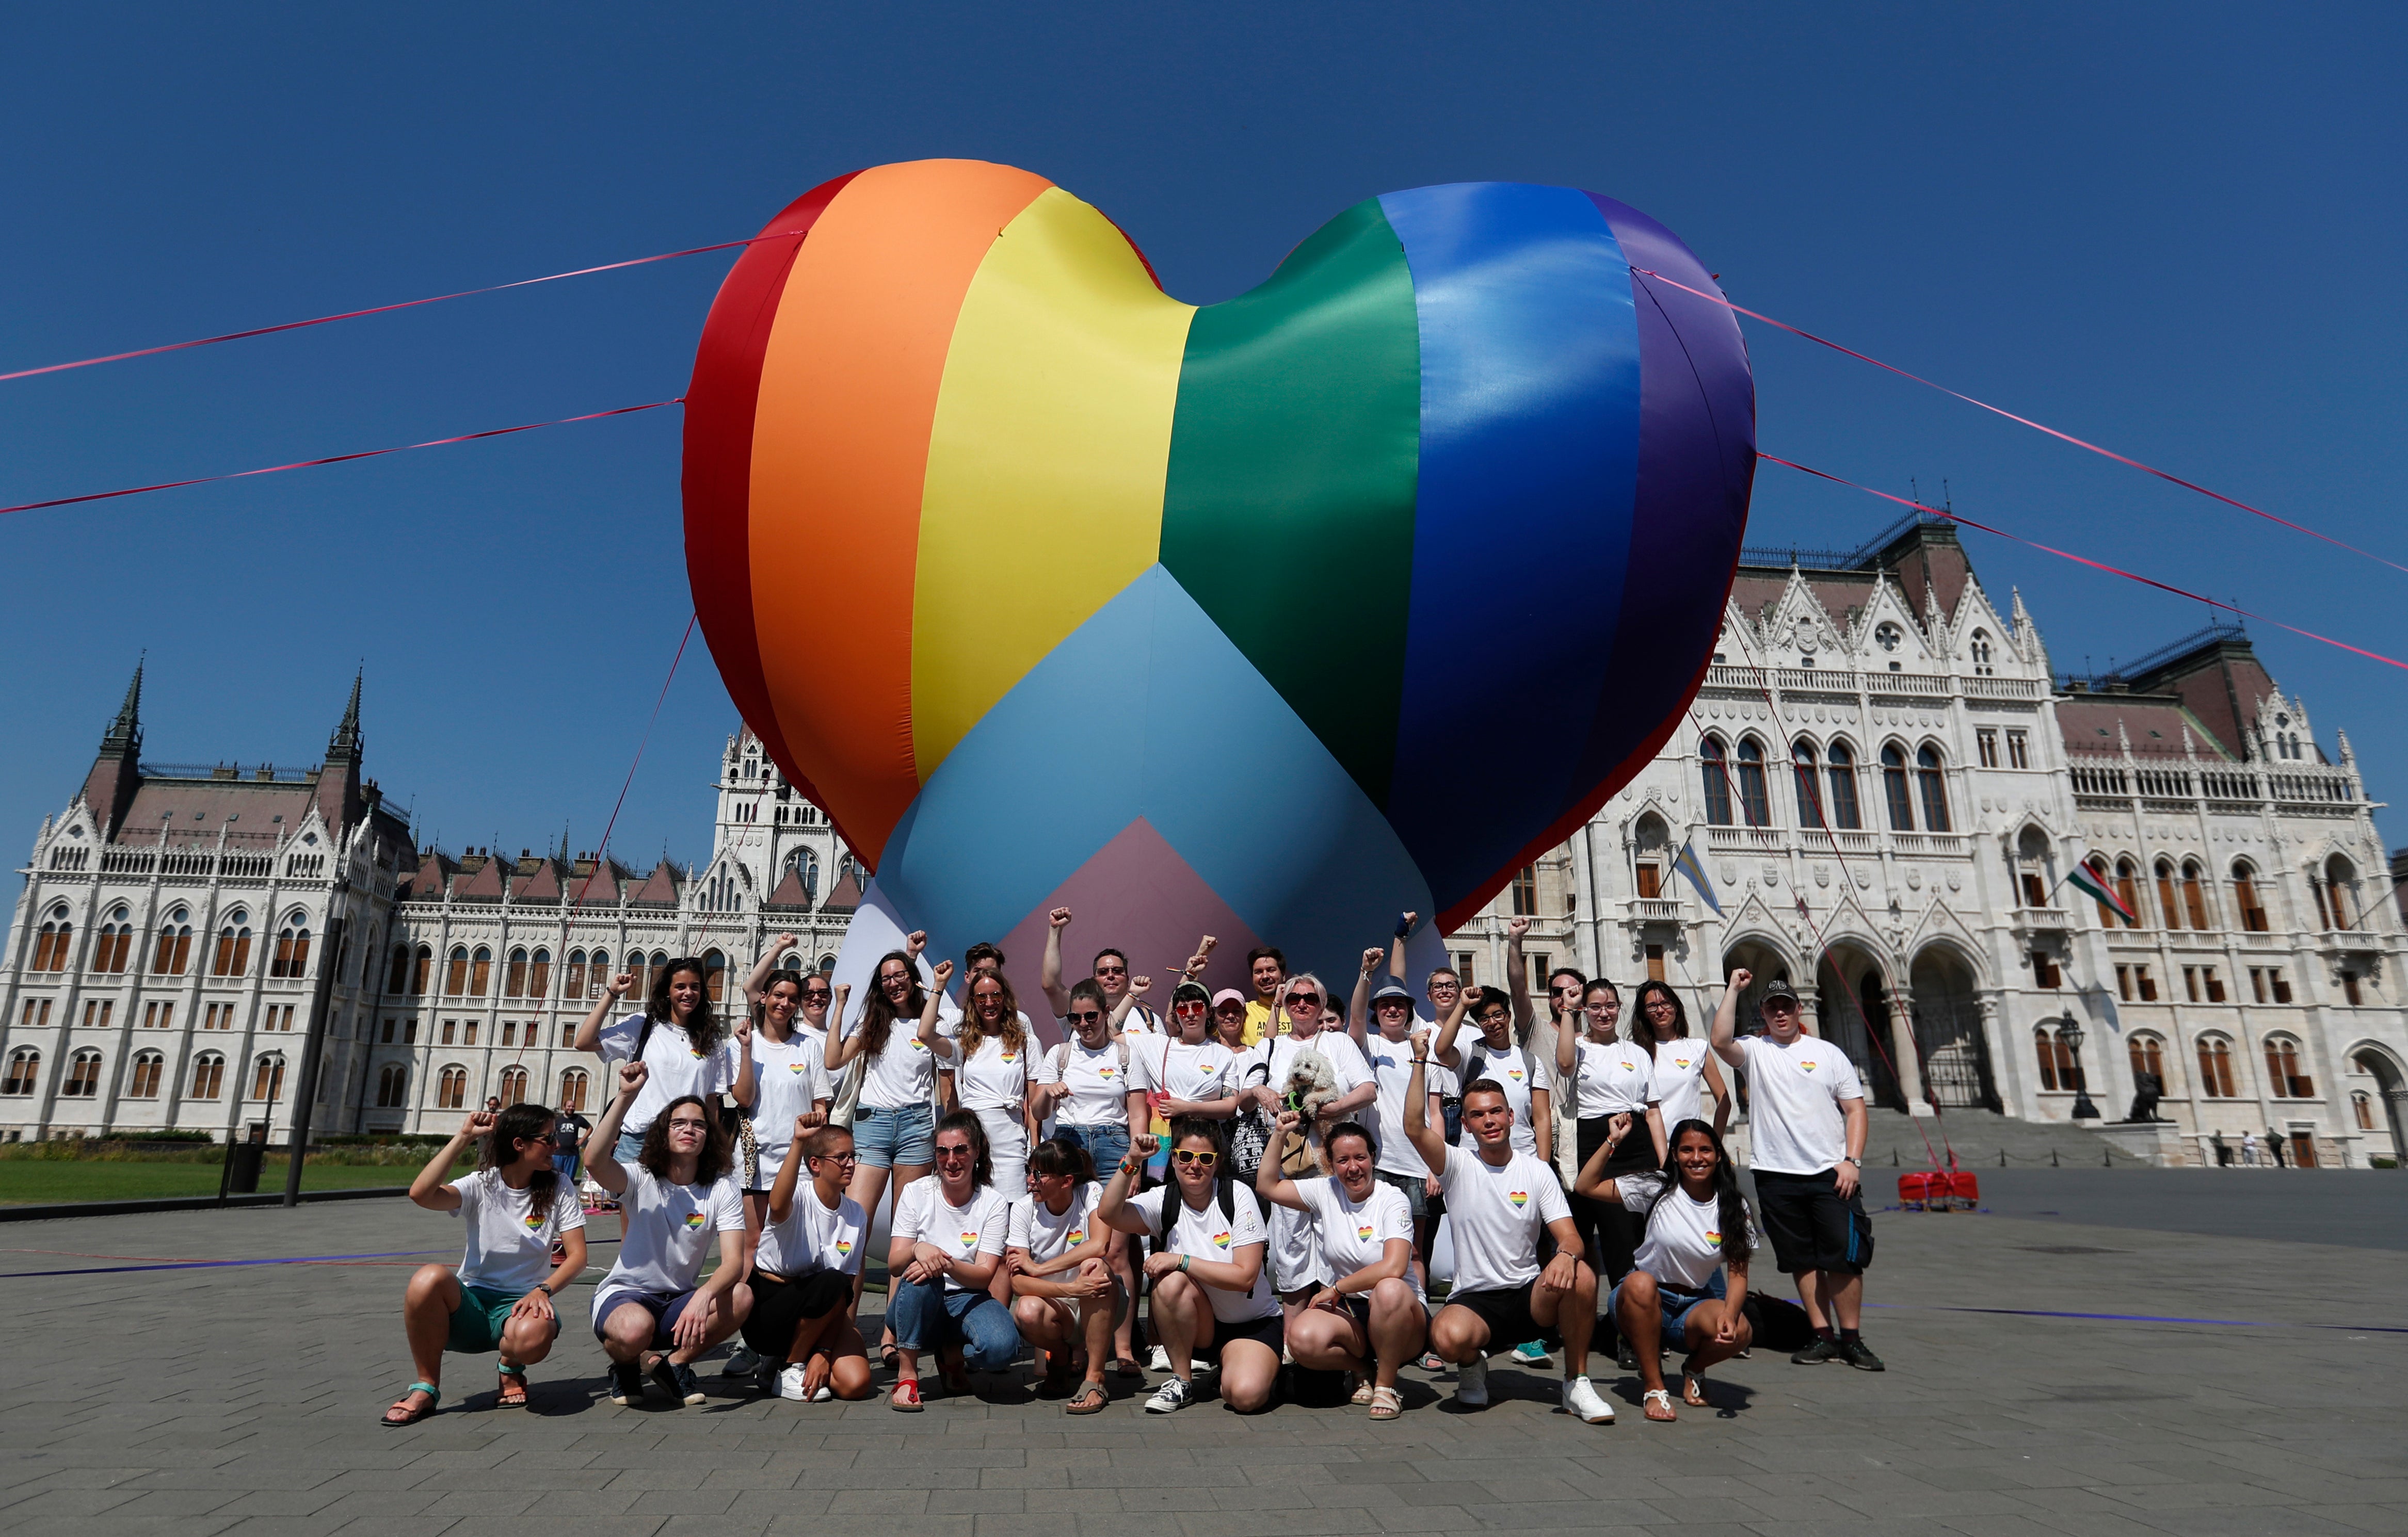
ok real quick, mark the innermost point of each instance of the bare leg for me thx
(1398, 1327)
(627, 1332)
(1844, 1294)
(726, 1317)
(1176, 1303)
(1249, 1373)
(1125, 1271)
(1705, 1321)
(1095, 1330)
(1571, 1314)
(1810, 1296)
(1639, 1313)
(427, 1308)
(1459, 1335)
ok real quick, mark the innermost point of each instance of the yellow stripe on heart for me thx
(1046, 461)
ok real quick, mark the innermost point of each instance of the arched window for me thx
(233, 958)
(480, 972)
(514, 1090)
(1716, 772)
(642, 989)
(397, 979)
(597, 976)
(1894, 790)
(2045, 1047)
(514, 977)
(2215, 1068)
(455, 972)
(2060, 1069)
(24, 1069)
(572, 1090)
(572, 984)
(2246, 897)
(2194, 894)
(268, 1078)
(1840, 770)
(2337, 894)
(83, 1075)
(174, 950)
(2148, 1055)
(827, 964)
(1810, 815)
(2283, 1070)
(1754, 800)
(1980, 649)
(209, 1075)
(393, 1087)
(2127, 886)
(540, 975)
(660, 963)
(115, 943)
(292, 950)
(2032, 868)
(2167, 910)
(2362, 1108)
(1935, 790)
(452, 1088)
(422, 967)
(50, 946)
(2098, 868)
(714, 975)
(144, 1085)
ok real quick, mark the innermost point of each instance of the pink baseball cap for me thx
(1228, 995)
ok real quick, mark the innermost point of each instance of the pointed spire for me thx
(345, 742)
(124, 737)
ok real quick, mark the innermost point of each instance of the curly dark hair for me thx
(1647, 989)
(1738, 1243)
(522, 1122)
(702, 1027)
(717, 1154)
(879, 1013)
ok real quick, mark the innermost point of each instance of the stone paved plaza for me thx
(243, 1400)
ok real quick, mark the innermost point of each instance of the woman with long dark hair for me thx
(1698, 1227)
(1065, 1297)
(685, 1046)
(678, 1190)
(790, 1088)
(1686, 1069)
(516, 1207)
(895, 1126)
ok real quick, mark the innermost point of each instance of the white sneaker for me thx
(1170, 1397)
(1581, 1402)
(790, 1382)
(1159, 1360)
(1471, 1384)
(742, 1361)
(824, 1395)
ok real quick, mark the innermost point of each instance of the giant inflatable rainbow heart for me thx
(1268, 619)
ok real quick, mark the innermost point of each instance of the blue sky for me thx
(2164, 228)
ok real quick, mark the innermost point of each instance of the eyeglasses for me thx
(954, 1152)
(834, 1158)
(547, 1138)
(1189, 1155)
(1086, 1016)
(1298, 999)
(1189, 1005)
(689, 1126)
(1655, 1004)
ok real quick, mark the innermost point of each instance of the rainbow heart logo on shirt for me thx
(697, 1053)
(844, 1247)
(796, 1068)
(1629, 1066)
(917, 1043)
(1364, 1233)
(1514, 1074)
(1806, 1062)
(1714, 1240)
(1078, 1236)
(1009, 1058)
(1681, 1062)
(1519, 1198)
(1106, 1071)
(693, 1221)
(970, 1241)
(533, 1222)
(1220, 1240)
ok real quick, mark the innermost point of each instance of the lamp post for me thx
(2070, 1034)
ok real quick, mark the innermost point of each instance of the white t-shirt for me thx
(673, 1067)
(923, 1216)
(1047, 1234)
(1197, 1073)
(1680, 1080)
(1793, 1102)
(903, 1074)
(509, 1248)
(1346, 1064)
(1517, 1070)
(669, 1230)
(1684, 1244)
(993, 1078)
(1497, 1215)
(813, 1238)
(1355, 1235)
(1097, 1081)
(1209, 1235)
(1392, 1068)
(789, 1080)
(1615, 1077)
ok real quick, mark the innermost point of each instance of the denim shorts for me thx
(1677, 1305)
(630, 1147)
(1106, 1145)
(885, 1136)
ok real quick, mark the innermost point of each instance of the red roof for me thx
(660, 888)
(845, 895)
(790, 892)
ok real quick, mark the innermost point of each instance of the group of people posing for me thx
(1264, 1176)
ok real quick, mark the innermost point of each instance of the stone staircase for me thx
(1896, 1141)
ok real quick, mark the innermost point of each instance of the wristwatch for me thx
(1850, 1158)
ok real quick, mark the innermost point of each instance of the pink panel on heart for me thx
(1138, 895)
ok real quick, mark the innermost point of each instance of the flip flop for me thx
(412, 1416)
(1091, 1399)
(905, 1398)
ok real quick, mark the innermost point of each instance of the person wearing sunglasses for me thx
(1085, 1086)
(1499, 1202)
(1295, 1258)
(1065, 1297)
(1110, 972)
(685, 1046)
(1211, 1293)
(790, 1081)
(679, 1191)
(1608, 1076)
(802, 1320)
(1186, 1070)
(516, 1207)
(950, 1230)
(1374, 1316)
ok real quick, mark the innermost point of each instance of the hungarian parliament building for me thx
(1880, 793)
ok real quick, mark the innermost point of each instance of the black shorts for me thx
(1810, 1227)
(1506, 1314)
(1270, 1333)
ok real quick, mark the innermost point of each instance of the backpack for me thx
(1173, 1204)
(1779, 1323)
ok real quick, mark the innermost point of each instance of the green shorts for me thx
(477, 1323)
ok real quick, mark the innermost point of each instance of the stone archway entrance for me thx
(1854, 1014)
(1948, 1033)
(2392, 1086)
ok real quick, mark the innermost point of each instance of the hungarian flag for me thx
(2093, 883)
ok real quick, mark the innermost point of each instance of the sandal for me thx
(1386, 1403)
(1124, 1367)
(1363, 1391)
(1656, 1404)
(1693, 1387)
(513, 1391)
(408, 1414)
(905, 1398)
(1091, 1399)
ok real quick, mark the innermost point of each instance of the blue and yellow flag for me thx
(1686, 862)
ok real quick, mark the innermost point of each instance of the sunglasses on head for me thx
(1084, 1017)
(1189, 1155)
